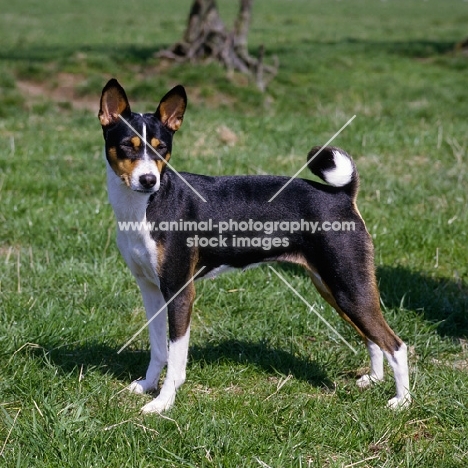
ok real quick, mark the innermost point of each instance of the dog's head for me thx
(138, 146)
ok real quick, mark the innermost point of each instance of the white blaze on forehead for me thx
(342, 173)
(146, 165)
(143, 134)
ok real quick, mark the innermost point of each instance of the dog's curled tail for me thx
(335, 166)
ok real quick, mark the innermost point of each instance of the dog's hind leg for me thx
(376, 373)
(355, 296)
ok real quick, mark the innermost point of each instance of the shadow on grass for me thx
(439, 300)
(127, 366)
(263, 356)
(131, 365)
(412, 48)
(45, 54)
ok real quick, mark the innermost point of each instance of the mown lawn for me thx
(268, 384)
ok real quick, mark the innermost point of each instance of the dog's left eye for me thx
(161, 148)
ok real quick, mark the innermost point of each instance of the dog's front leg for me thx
(179, 311)
(154, 303)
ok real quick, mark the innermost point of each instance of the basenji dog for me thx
(202, 225)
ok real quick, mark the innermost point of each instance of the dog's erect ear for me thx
(114, 102)
(172, 107)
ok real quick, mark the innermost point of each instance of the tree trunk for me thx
(206, 38)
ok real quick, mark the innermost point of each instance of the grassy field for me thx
(268, 384)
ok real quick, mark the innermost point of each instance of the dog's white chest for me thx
(140, 253)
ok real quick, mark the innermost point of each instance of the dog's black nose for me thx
(148, 180)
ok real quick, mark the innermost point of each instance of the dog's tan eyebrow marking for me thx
(136, 142)
(155, 142)
(160, 163)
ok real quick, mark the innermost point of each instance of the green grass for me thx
(281, 391)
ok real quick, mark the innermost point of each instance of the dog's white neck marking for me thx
(136, 245)
(128, 204)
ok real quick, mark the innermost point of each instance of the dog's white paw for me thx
(364, 381)
(158, 405)
(141, 386)
(367, 380)
(399, 403)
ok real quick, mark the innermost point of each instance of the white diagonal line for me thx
(312, 308)
(315, 155)
(9, 432)
(160, 310)
(156, 152)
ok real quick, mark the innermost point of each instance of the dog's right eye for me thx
(127, 145)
